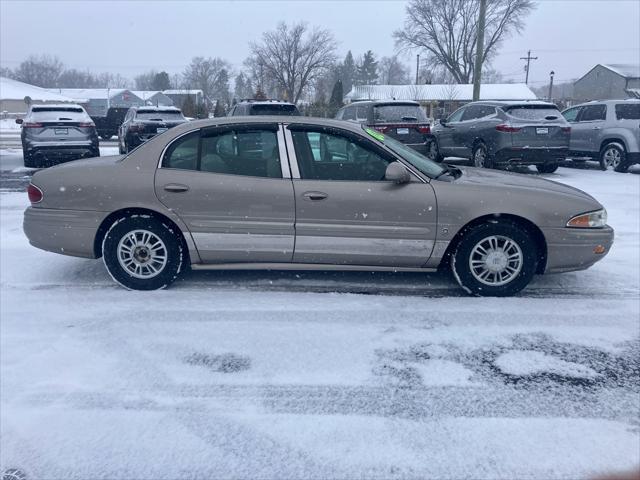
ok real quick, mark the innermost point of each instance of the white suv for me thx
(607, 131)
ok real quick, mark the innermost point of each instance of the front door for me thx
(229, 187)
(346, 213)
(448, 134)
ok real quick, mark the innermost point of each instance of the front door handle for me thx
(175, 188)
(315, 196)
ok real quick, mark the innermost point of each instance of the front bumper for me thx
(570, 249)
(69, 232)
(531, 156)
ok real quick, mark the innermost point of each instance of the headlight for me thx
(597, 219)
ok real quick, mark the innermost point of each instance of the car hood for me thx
(498, 179)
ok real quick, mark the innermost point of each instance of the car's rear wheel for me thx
(480, 156)
(495, 259)
(612, 156)
(433, 152)
(142, 252)
(548, 167)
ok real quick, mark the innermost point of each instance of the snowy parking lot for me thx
(314, 375)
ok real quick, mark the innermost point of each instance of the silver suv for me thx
(607, 131)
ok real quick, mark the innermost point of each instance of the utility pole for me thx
(417, 67)
(477, 71)
(551, 74)
(528, 58)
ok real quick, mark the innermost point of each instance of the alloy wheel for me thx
(495, 260)
(612, 158)
(479, 157)
(142, 254)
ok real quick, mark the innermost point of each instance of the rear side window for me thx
(533, 112)
(349, 113)
(593, 112)
(275, 109)
(398, 113)
(361, 113)
(628, 111)
(183, 153)
(478, 111)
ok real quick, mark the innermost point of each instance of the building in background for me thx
(611, 81)
(440, 99)
(15, 97)
(155, 98)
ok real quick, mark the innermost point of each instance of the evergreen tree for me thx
(348, 72)
(367, 70)
(161, 81)
(337, 94)
(219, 111)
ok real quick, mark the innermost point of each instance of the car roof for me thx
(383, 102)
(262, 119)
(153, 108)
(607, 102)
(268, 101)
(511, 103)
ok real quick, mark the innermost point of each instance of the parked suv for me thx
(403, 120)
(263, 107)
(607, 131)
(142, 123)
(494, 134)
(57, 133)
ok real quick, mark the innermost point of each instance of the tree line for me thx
(299, 63)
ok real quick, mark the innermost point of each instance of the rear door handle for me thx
(315, 196)
(175, 188)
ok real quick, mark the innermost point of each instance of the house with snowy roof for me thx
(15, 96)
(608, 81)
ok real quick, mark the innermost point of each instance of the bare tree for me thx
(40, 70)
(294, 56)
(447, 31)
(207, 74)
(393, 71)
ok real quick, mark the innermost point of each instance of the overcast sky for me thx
(567, 36)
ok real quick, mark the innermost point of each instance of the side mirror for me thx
(19, 121)
(397, 173)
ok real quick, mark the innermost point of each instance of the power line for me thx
(528, 58)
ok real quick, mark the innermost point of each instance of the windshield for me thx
(399, 113)
(420, 162)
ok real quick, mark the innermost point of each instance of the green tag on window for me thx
(375, 134)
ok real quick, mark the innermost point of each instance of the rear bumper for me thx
(531, 156)
(61, 149)
(570, 249)
(69, 232)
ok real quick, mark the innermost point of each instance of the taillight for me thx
(507, 128)
(32, 125)
(34, 193)
(136, 127)
(566, 129)
(381, 129)
(87, 124)
(424, 129)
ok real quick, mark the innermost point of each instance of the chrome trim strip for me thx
(307, 266)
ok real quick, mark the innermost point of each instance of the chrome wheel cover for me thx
(479, 157)
(495, 260)
(612, 157)
(142, 254)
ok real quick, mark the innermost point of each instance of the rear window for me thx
(275, 109)
(629, 111)
(398, 113)
(159, 114)
(533, 112)
(58, 109)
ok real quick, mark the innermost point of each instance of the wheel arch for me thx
(528, 225)
(112, 217)
(609, 140)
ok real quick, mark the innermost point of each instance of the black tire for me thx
(29, 161)
(433, 151)
(487, 160)
(548, 167)
(461, 259)
(172, 248)
(612, 156)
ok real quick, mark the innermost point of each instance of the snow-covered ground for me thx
(312, 375)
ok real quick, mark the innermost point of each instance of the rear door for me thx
(232, 188)
(346, 213)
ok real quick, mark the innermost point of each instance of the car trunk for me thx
(535, 127)
(406, 123)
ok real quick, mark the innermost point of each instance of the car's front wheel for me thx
(612, 157)
(142, 252)
(495, 259)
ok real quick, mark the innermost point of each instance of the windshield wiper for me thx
(455, 172)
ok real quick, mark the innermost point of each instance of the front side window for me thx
(456, 116)
(591, 113)
(329, 156)
(251, 153)
(571, 114)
